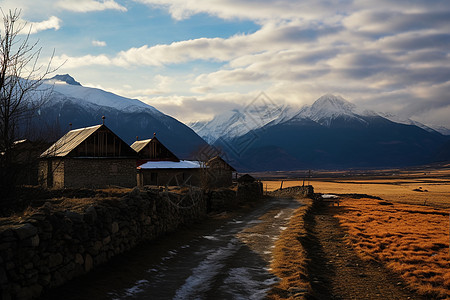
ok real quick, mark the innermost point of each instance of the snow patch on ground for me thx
(278, 214)
(205, 272)
(242, 285)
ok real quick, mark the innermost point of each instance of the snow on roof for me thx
(183, 164)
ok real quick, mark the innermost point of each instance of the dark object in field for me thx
(385, 203)
(359, 196)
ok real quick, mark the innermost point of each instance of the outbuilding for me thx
(91, 157)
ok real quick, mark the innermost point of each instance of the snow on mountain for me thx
(441, 129)
(64, 86)
(238, 122)
(406, 121)
(329, 107)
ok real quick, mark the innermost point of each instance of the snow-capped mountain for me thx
(331, 133)
(70, 102)
(329, 107)
(406, 121)
(65, 87)
(237, 122)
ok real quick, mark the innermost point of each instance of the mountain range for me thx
(70, 102)
(331, 133)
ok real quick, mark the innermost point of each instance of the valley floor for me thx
(388, 239)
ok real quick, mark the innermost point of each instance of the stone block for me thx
(25, 231)
(88, 263)
(79, 259)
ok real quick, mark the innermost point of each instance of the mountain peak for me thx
(332, 103)
(66, 78)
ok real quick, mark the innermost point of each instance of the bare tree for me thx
(21, 93)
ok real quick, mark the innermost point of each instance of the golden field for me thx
(410, 240)
(430, 188)
(406, 228)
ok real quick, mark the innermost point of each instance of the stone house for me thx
(91, 157)
(157, 165)
(220, 173)
(170, 173)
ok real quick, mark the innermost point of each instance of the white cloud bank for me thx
(89, 5)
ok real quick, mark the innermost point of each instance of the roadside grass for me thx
(410, 240)
(289, 259)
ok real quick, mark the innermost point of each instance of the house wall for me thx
(51, 173)
(219, 177)
(220, 173)
(169, 177)
(99, 172)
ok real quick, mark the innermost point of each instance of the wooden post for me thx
(281, 187)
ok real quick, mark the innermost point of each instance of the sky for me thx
(192, 59)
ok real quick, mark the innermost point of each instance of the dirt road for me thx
(336, 272)
(217, 259)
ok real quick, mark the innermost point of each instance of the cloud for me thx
(388, 55)
(98, 43)
(191, 109)
(35, 27)
(89, 5)
(254, 10)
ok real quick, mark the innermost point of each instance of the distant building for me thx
(93, 157)
(246, 178)
(157, 165)
(170, 173)
(220, 173)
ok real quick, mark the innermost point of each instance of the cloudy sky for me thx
(194, 58)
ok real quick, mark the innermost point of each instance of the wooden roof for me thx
(68, 144)
(219, 160)
(153, 149)
(139, 145)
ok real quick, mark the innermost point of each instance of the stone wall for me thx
(303, 191)
(226, 199)
(51, 247)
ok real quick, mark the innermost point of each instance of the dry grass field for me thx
(411, 240)
(423, 188)
(289, 259)
(407, 228)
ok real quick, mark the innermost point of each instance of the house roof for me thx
(139, 145)
(218, 158)
(183, 164)
(246, 178)
(69, 141)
